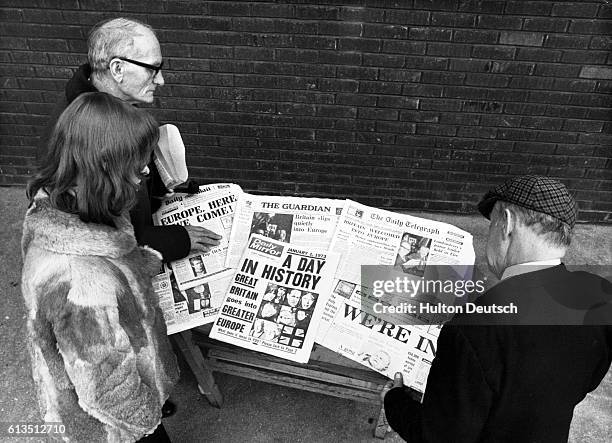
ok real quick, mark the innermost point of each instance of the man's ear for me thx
(509, 220)
(116, 68)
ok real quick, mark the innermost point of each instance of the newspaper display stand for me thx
(326, 372)
(295, 279)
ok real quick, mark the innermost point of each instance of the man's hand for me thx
(202, 239)
(397, 382)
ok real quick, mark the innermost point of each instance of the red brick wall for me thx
(414, 104)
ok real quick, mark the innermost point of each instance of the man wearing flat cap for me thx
(516, 377)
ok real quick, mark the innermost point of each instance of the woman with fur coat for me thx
(101, 359)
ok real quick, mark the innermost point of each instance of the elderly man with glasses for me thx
(124, 60)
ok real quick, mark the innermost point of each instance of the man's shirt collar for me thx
(523, 268)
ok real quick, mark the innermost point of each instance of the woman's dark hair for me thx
(95, 156)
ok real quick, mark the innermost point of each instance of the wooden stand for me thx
(326, 372)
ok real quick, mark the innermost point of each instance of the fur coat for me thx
(100, 356)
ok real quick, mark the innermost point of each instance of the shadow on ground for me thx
(257, 411)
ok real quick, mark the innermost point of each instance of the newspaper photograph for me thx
(196, 306)
(212, 208)
(275, 299)
(402, 249)
(297, 220)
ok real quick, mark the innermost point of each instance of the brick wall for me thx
(414, 104)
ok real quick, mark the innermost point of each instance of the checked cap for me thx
(541, 194)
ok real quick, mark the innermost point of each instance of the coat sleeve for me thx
(404, 414)
(171, 241)
(456, 402)
(101, 364)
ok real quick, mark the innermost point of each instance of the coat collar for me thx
(79, 83)
(57, 231)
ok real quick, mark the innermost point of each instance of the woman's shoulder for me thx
(60, 232)
(44, 274)
(84, 280)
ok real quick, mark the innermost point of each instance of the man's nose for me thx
(159, 79)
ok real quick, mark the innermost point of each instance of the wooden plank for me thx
(297, 382)
(355, 371)
(303, 371)
(319, 353)
(382, 426)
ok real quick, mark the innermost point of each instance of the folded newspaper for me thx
(170, 157)
(212, 208)
(276, 298)
(407, 246)
(196, 306)
(297, 220)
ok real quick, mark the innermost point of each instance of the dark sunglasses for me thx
(153, 68)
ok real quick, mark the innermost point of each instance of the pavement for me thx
(257, 411)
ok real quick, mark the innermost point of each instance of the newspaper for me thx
(275, 300)
(407, 246)
(169, 157)
(297, 220)
(192, 307)
(212, 208)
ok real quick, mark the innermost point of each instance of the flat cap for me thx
(541, 194)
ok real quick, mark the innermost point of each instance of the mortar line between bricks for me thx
(554, 91)
(232, 32)
(402, 69)
(458, 125)
(394, 156)
(347, 118)
(476, 14)
(363, 52)
(356, 119)
(397, 134)
(411, 70)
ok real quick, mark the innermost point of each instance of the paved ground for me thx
(255, 411)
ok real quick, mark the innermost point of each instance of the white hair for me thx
(555, 231)
(113, 38)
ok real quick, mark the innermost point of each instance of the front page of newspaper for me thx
(196, 306)
(275, 299)
(297, 220)
(407, 246)
(212, 208)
